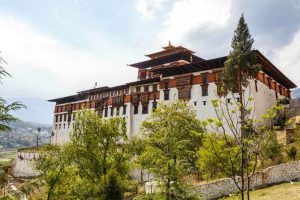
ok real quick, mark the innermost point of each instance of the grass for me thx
(278, 192)
(6, 156)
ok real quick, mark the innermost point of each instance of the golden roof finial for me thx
(170, 44)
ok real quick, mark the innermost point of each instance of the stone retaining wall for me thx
(272, 175)
(223, 187)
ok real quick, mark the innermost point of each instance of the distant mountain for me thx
(38, 110)
(296, 93)
(24, 134)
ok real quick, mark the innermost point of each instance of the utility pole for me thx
(37, 136)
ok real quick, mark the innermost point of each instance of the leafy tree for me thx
(273, 148)
(213, 150)
(5, 115)
(60, 177)
(174, 137)
(98, 152)
(93, 166)
(235, 121)
(240, 67)
(137, 147)
(292, 153)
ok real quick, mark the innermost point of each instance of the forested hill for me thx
(23, 134)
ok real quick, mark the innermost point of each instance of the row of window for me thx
(185, 93)
(64, 117)
(145, 108)
(62, 126)
(146, 88)
(108, 94)
(117, 111)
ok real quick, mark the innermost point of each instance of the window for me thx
(195, 103)
(204, 90)
(124, 109)
(65, 117)
(117, 101)
(145, 109)
(60, 118)
(74, 116)
(135, 109)
(154, 105)
(184, 93)
(228, 100)
(106, 111)
(97, 104)
(68, 125)
(181, 81)
(218, 76)
(238, 99)
(146, 88)
(204, 103)
(205, 78)
(166, 95)
(55, 126)
(143, 75)
(118, 111)
(59, 127)
(269, 82)
(69, 117)
(138, 89)
(276, 95)
(64, 126)
(112, 111)
(256, 89)
(166, 83)
(154, 87)
(56, 118)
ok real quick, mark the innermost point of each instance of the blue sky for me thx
(55, 48)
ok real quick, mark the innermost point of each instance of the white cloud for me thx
(44, 66)
(187, 16)
(287, 59)
(149, 7)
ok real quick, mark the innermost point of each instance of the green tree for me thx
(235, 121)
(292, 153)
(213, 150)
(61, 178)
(140, 161)
(98, 151)
(95, 165)
(174, 137)
(6, 117)
(273, 149)
(240, 67)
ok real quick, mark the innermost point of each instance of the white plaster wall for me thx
(25, 165)
(264, 98)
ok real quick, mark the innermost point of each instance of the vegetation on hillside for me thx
(6, 117)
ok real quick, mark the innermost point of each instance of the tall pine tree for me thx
(240, 68)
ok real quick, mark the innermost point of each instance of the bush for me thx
(292, 153)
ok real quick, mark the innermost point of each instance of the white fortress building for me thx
(173, 73)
